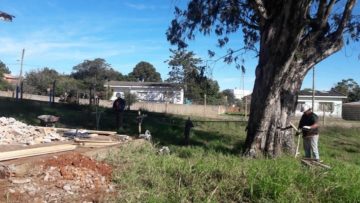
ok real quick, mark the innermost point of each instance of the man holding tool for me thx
(310, 129)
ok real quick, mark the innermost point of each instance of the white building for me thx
(239, 93)
(158, 92)
(326, 102)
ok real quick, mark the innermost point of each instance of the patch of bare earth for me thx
(70, 177)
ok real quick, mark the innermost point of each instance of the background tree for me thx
(350, 88)
(94, 74)
(144, 71)
(38, 81)
(68, 84)
(130, 99)
(4, 68)
(4, 85)
(187, 71)
(230, 97)
(290, 36)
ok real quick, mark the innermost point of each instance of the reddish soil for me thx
(80, 161)
(69, 177)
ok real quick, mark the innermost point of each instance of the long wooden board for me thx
(94, 144)
(94, 141)
(35, 151)
(310, 161)
(100, 132)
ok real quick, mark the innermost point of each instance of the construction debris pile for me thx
(16, 132)
(65, 178)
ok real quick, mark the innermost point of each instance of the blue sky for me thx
(62, 33)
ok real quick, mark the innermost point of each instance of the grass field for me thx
(211, 169)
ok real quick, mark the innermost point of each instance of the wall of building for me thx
(239, 93)
(150, 94)
(181, 109)
(27, 96)
(336, 102)
(211, 111)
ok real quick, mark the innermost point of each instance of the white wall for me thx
(337, 105)
(151, 94)
(239, 93)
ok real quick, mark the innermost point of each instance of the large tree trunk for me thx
(272, 105)
(285, 58)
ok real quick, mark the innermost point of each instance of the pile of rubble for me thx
(66, 178)
(16, 132)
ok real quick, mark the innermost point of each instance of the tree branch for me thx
(259, 6)
(345, 18)
(321, 9)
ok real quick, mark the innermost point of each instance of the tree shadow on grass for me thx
(169, 130)
(165, 129)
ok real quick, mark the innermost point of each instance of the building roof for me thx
(330, 93)
(142, 84)
(357, 103)
(9, 76)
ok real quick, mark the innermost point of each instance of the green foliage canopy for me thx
(94, 73)
(144, 71)
(350, 88)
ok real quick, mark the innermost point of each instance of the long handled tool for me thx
(298, 143)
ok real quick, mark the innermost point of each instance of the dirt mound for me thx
(79, 161)
(70, 177)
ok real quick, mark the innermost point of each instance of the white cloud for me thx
(140, 6)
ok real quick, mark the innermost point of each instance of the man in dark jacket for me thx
(119, 107)
(310, 129)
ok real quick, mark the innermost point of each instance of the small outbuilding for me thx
(157, 92)
(351, 111)
(328, 103)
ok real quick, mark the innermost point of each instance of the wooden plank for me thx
(88, 131)
(35, 151)
(312, 162)
(321, 164)
(89, 144)
(306, 162)
(94, 141)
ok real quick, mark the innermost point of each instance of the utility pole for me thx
(313, 90)
(204, 105)
(243, 88)
(53, 91)
(20, 75)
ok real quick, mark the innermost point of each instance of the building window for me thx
(298, 107)
(326, 106)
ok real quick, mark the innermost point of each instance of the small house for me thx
(158, 92)
(328, 103)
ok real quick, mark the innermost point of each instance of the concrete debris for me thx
(20, 180)
(16, 132)
(164, 150)
(146, 136)
(77, 133)
(4, 171)
(123, 137)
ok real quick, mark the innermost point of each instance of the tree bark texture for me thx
(287, 52)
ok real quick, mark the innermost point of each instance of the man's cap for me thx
(305, 107)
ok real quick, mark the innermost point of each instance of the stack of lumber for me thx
(35, 151)
(95, 143)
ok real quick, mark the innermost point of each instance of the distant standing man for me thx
(119, 107)
(188, 126)
(310, 129)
